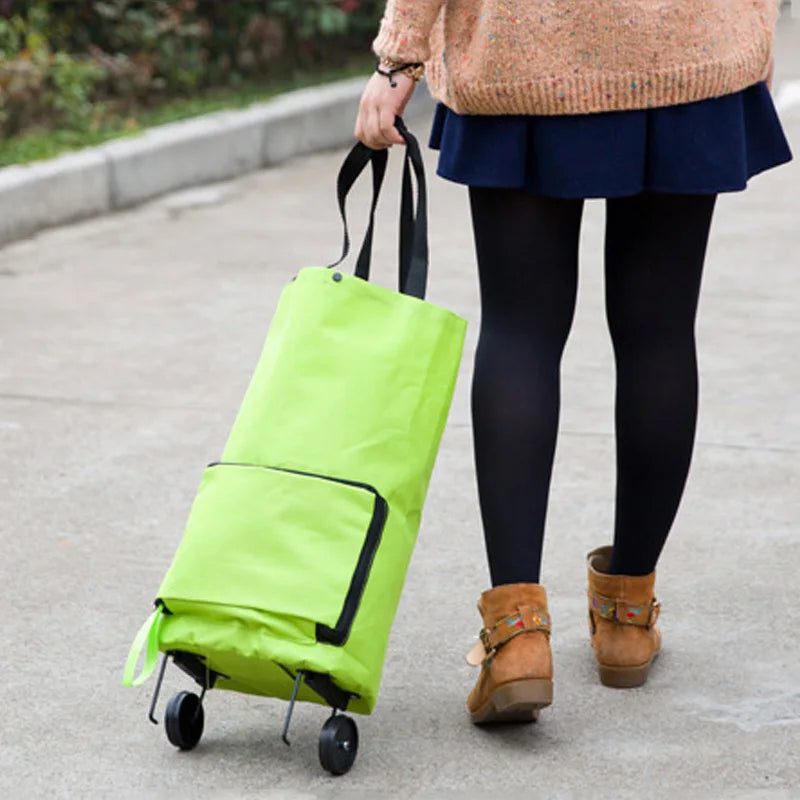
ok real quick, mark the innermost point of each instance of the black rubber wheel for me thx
(338, 745)
(183, 720)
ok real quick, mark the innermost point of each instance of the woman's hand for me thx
(380, 104)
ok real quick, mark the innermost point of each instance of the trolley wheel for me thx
(183, 720)
(338, 744)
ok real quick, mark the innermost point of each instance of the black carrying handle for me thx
(413, 257)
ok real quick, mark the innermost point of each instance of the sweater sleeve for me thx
(770, 10)
(405, 30)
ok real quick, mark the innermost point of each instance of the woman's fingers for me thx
(359, 131)
(375, 137)
(376, 131)
(389, 133)
(368, 125)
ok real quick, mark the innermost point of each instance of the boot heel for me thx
(517, 701)
(623, 677)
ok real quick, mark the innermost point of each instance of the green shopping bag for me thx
(298, 541)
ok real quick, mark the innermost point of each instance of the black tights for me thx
(527, 250)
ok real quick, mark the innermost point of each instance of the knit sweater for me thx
(580, 56)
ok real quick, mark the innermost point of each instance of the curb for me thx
(214, 147)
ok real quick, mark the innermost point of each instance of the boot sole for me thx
(625, 677)
(517, 701)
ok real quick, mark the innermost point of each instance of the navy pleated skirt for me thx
(707, 147)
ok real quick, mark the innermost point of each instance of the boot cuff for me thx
(501, 601)
(631, 588)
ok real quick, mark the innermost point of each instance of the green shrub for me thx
(62, 63)
(35, 82)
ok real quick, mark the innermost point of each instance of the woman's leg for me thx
(527, 250)
(655, 249)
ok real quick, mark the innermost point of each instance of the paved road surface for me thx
(125, 346)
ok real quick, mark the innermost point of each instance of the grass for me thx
(41, 143)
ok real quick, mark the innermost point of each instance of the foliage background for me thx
(75, 64)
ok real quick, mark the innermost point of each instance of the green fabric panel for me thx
(250, 646)
(365, 374)
(229, 556)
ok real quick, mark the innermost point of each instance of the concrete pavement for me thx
(125, 346)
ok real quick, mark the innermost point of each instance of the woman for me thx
(657, 107)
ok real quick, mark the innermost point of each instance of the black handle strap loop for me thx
(413, 256)
(355, 163)
(413, 220)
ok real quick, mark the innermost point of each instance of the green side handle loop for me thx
(147, 640)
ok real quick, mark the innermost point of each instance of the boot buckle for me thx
(487, 643)
(482, 651)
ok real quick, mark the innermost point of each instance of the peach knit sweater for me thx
(580, 56)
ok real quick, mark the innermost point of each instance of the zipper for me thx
(339, 634)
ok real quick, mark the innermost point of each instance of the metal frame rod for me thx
(157, 690)
(199, 709)
(290, 710)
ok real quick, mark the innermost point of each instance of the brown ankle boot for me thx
(516, 677)
(622, 622)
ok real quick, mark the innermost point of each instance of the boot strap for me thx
(642, 614)
(527, 619)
